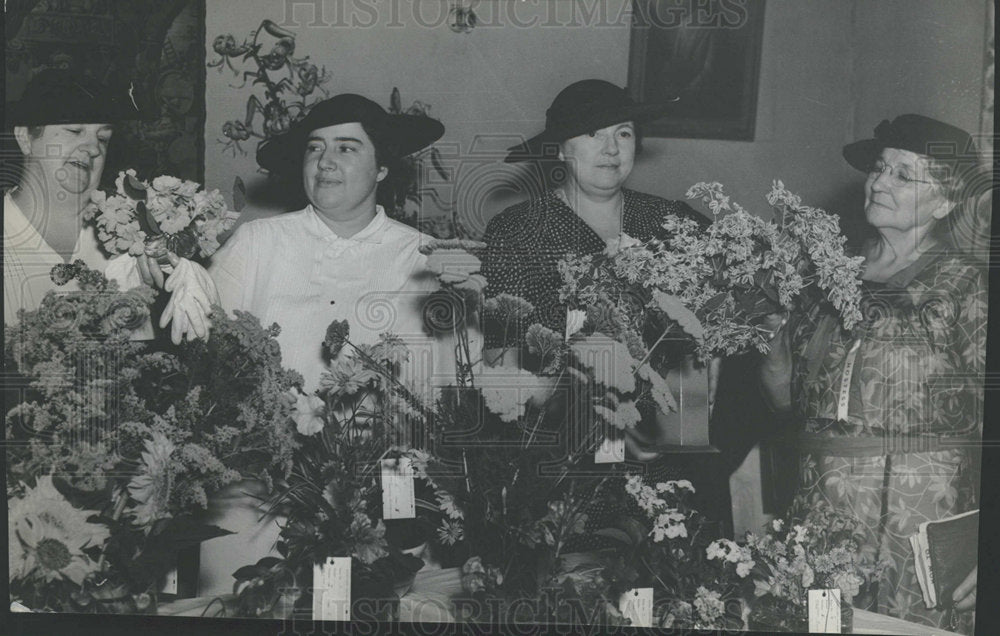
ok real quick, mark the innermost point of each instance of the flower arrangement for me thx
(703, 581)
(714, 287)
(128, 441)
(669, 546)
(167, 214)
(331, 496)
(495, 428)
(816, 547)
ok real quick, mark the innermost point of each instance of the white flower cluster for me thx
(726, 550)
(668, 522)
(176, 206)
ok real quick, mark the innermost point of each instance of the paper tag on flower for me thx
(169, 582)
(637, 605)
(824, 611)
(398, 501)
(332, 590)
(611, 451)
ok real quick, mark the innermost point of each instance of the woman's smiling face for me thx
(69, 156)
(901, 194)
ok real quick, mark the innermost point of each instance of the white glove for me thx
(192, 295)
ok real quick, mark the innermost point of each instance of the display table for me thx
(429, 600)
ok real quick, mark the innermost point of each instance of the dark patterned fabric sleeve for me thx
(502, 265)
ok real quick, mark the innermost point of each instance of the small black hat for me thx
(580, 108)
(406, 134)
(58, 96)
(925, 136)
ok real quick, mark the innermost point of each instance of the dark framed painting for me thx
(706, 55)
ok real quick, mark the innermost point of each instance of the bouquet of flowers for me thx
(167, 215)
(124, 444)
(714, 287)
(331, 497)
(669, 546)
(817, 547)
(492, 433)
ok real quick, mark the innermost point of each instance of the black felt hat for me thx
(925, 136)
(580, 108)
(57, 96)
(404, 134)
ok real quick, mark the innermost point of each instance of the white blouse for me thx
(292, 269)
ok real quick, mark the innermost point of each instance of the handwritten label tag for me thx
(398, 501)
(844, 399)
(637, 605)
(610, 451)
(169, 582)
(332, 590)
(824, 611)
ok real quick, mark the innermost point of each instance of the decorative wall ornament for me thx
(289, 83)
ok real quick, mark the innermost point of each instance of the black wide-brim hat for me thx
(402, 134)
(580, 108)
(919, 134)
(57, 96)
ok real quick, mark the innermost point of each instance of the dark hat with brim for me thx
(402, 134)
(580, 108)
(57, 96)
(922, 135)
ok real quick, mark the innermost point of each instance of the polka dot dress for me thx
(524, 244)
(527, 240)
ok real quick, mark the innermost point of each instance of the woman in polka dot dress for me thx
(591, 129)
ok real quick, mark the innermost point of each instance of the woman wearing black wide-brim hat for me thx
(890, 414)
(62, 126)
(306, 268)
(592, 129)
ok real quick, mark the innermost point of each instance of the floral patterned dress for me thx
(892, 413)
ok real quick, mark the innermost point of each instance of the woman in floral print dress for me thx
(892, 412)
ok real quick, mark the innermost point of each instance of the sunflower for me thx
(151, 487)
(47, 536)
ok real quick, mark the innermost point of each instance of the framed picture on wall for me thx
(704, 54)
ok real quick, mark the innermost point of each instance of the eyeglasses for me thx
(897, 176)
